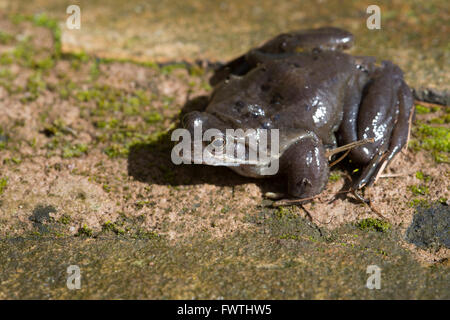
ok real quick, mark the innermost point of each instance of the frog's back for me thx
(301, 91)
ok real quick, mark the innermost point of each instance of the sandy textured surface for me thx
(86, 178)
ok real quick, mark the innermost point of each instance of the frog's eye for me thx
(218, 143)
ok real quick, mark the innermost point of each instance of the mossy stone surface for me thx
(413, 34)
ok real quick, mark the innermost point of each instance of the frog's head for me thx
(214, 142)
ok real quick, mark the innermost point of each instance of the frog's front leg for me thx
(385, 115)
(327, 38)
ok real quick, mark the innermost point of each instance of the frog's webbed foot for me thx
(327, 38)
(385, 115)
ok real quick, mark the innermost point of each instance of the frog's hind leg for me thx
(398, 140)
(327, 38)
(384, 114)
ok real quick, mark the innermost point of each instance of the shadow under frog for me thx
(151, 162)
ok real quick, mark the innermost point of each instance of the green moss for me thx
(422, 110)
(147, 235)
(334, 176)
(57, 128)
(153, 117)
(421, 176)
(196, 71)
(374, 224)
(11, 160)
(419, 190)
(206, 86)
(167, 69)
(417, 202)
(284, 213)
(109, 226)
(95, 70)
(5, 59)
(147, 64)
(65, 219)
(52, 144)
(288, 236)
(80, 56)
(110, 124)
(35, 85)
(64, 93)
(141, 204)
(43, 20)
(3, 139)
(434, 139)
(23, 53)
(124, 140)
(44, 64)
(17, 18)
(3, 184)
(76, 150)
(6, 73)
(85, 231)
(225, 209)
(5, 38)
(115, 150)
(441, 120)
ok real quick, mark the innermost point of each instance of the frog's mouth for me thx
(214, 142)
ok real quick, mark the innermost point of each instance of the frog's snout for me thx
(307, 170)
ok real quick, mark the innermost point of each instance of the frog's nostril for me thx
(304, 188)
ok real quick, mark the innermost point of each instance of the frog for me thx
(318, 97)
